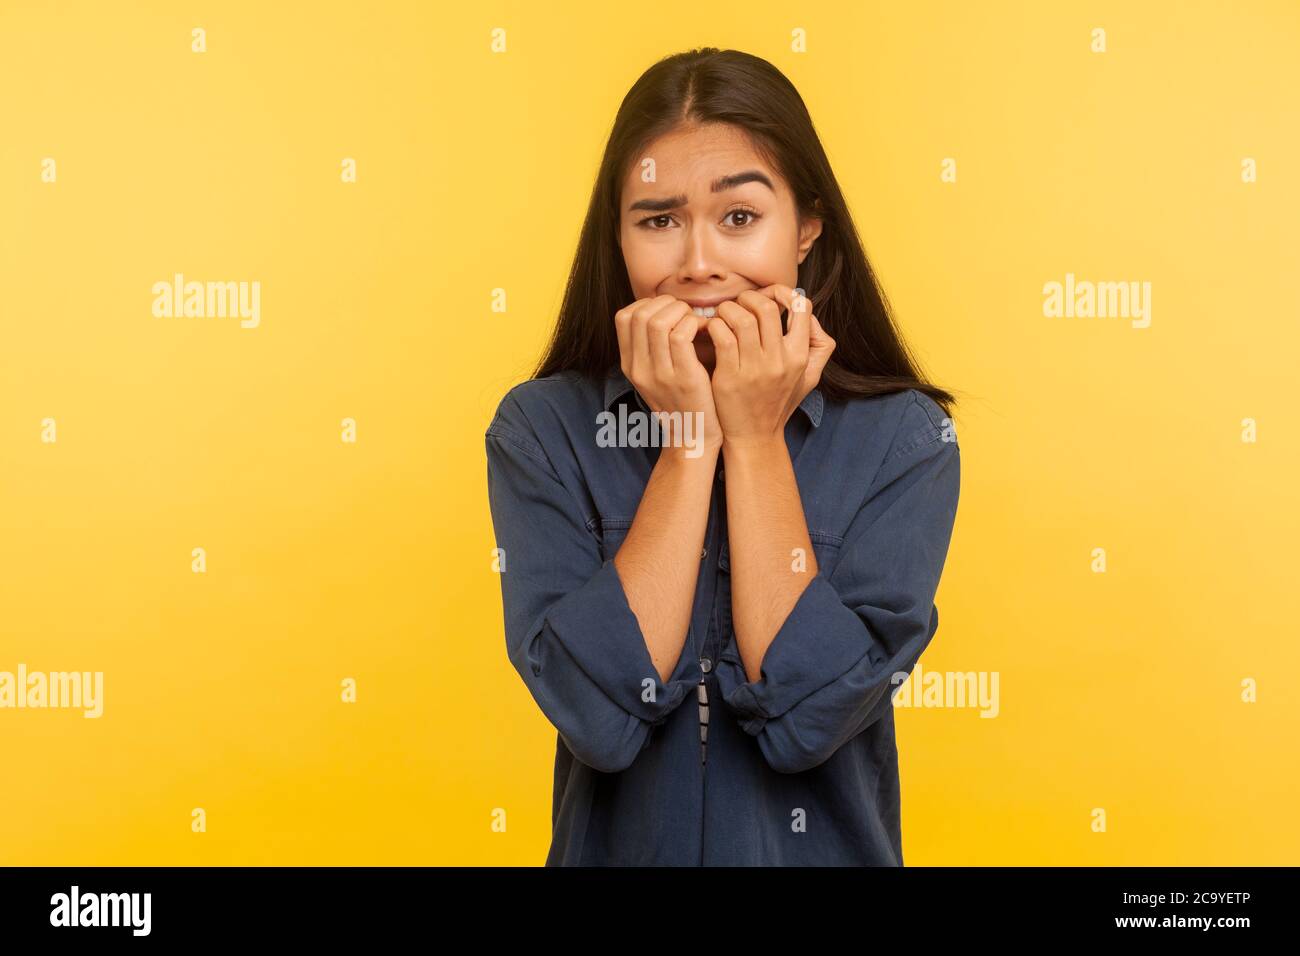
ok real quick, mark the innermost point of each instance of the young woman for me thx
(714, 614)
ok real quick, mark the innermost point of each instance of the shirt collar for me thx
(617, 385)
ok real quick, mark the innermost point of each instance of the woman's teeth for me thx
(705, 312)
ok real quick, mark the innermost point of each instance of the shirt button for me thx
(703, 553)
(706, 665)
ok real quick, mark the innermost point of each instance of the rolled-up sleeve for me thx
(570, 632)
(829, 672)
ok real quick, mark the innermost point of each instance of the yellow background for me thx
(327, 560)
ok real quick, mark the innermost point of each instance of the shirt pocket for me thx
(612, 532)
(826, 548)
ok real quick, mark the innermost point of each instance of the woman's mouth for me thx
(707, 312)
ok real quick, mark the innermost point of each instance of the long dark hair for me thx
(708, 85)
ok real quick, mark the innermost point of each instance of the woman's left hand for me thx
(760, 375)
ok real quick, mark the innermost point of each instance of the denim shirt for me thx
(799, 767)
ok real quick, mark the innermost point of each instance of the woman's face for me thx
(692, 234)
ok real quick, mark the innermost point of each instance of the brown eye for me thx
(750, 213)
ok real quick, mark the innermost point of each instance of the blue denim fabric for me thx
(801, 766)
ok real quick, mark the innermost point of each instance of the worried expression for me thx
(716, 221)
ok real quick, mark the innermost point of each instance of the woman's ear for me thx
(809, 230)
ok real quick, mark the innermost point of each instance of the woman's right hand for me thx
(656, 344)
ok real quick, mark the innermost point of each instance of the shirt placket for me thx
(706, 616)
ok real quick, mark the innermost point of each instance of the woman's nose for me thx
(699, 253)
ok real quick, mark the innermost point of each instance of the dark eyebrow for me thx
(718, 186)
